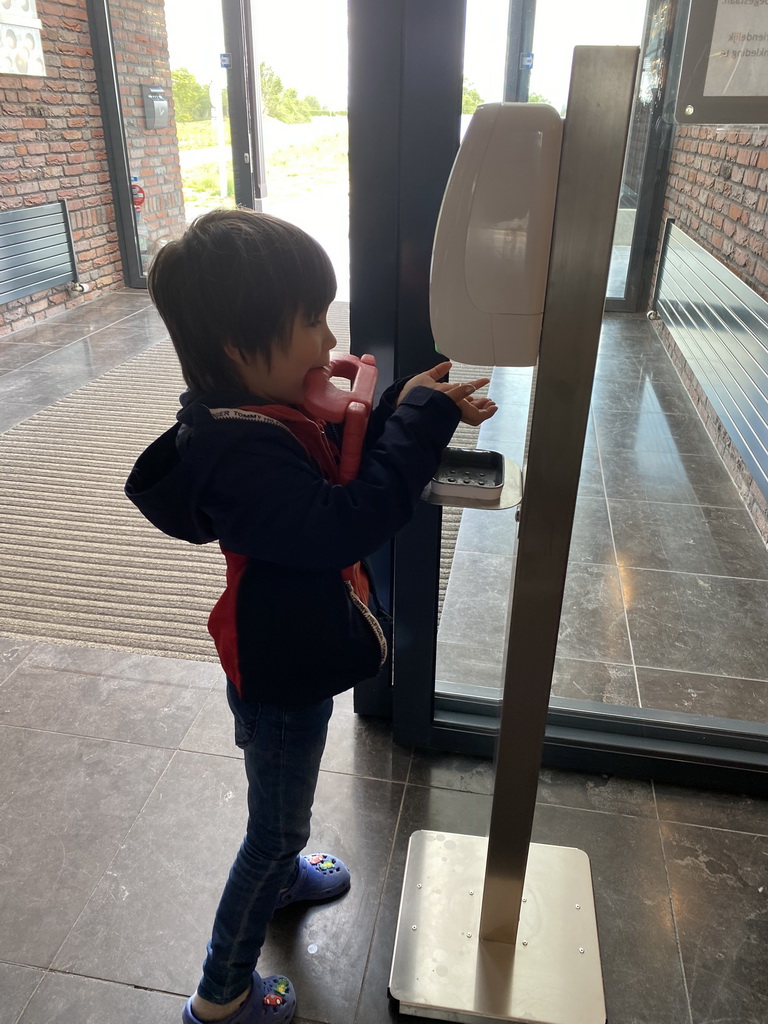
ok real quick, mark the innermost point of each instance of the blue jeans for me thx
(283, 748)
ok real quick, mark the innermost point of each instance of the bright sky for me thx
(305, 41)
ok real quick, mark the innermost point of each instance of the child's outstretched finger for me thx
(440, 370)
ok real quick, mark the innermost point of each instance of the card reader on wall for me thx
(491, 252)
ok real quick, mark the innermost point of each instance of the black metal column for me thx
(244, 98)
(405, 87)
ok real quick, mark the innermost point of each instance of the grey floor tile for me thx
(139, 667)
(673, 434)
(212, 732)
(167, 879)
(694, 623)
(620, 362)
(51, 334)
(67, 803)
(14, 355)
(325, 950)
(38, 386)
(107, 309)
(363, 746)
(593, 626)
(16, 410)
(63, 999)
(106, 705)
(451, 771)
(642, 396)
(591, 479)
(356, 745)
(145, 317)
(470, 666)
(12, 654)
(488, 532)
(595, 680)
(17, 985)
(423, 808)
(642, 974)
(663, 476)
(609, 793)
(106, 694)
(720, 896)
(591, 539)
(727, 811)
(688, 538)
(703, 694)
(103, 350)
(475, 607)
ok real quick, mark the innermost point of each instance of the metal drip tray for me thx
(469, 474)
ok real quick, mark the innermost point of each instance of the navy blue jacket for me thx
(289, 629)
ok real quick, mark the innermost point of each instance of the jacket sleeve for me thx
(384, 409)
(268, 500)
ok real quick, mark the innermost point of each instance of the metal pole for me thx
(594, 139)
(457, 952)
(517, 74)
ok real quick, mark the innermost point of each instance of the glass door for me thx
(302, 61)
(661, 663)
(559, 26)
(181, 115)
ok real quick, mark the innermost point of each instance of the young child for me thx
(244, 297)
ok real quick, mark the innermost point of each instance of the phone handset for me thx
(323, 399)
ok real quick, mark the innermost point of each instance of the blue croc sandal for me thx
(271, 1001)
(320, 877)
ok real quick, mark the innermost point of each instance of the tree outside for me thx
(191, 99)
(470, 99)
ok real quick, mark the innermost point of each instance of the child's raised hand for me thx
(474, 410)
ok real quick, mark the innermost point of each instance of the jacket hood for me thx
(166, 482)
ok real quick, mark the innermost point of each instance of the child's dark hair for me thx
(241, 278)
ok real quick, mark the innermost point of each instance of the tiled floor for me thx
(666, 598)
(122, 803)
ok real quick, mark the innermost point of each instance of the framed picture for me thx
(21, 51)
(724, 74)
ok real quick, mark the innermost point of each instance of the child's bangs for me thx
(318, 284)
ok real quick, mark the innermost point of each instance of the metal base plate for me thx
(441, 970)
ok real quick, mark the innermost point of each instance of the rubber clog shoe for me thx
(271, 1001)
(321, 877)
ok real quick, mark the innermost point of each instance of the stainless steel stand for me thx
(459, 955)
(444, 971)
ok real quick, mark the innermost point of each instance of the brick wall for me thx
(717, 192)
(52, 147)
(52, 144)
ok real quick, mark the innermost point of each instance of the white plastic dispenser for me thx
(491, 252)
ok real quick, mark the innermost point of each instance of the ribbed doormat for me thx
(78, 564)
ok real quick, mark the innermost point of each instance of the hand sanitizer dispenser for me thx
(491, 252)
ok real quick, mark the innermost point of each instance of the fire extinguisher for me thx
(138, 196)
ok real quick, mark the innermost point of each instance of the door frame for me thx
(244, 98)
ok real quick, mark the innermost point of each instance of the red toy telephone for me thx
(353, 407)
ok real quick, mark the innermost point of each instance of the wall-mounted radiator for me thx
(721, 327)
(36, 250)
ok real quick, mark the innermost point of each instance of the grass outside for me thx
(299, 159)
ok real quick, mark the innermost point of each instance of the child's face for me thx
(282, 381)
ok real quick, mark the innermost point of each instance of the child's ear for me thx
(238, 356)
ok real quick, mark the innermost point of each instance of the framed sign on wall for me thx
(21, 51)
(724, 74)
